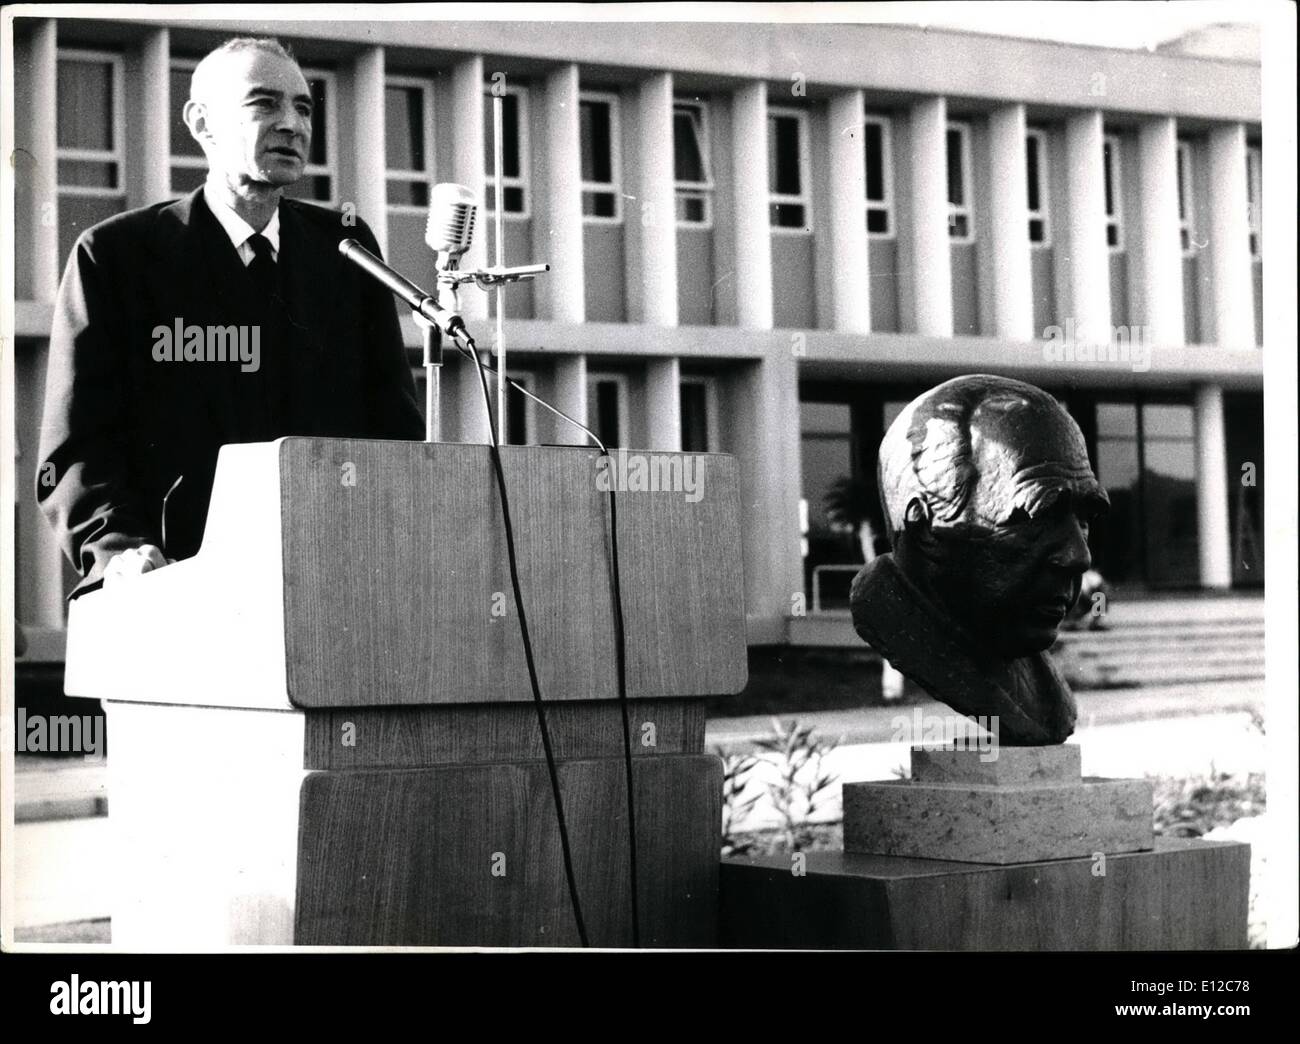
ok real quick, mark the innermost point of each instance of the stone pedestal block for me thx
(1027, 804)
(1057, 764)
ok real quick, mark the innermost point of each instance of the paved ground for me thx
(1099, 707)
(1178, 731)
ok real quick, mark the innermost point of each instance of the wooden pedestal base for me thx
(1184, 895)
(407, 827)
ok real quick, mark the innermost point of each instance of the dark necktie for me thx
(262, 270)
(264, 279)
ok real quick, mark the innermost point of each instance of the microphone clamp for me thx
(485, 278)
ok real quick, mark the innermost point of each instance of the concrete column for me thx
(931, 250)
(1013, 292)
(563, 209)
(1213, 530)
(1161, 272)
(753, 233)
(663, 377)
(570, 396)
(148, 149)
(850, 273)
(1089, 257)
(370, 185)
(657, 197)
(1234, 300)
(467, 132)
(41, 135)
(765, 413)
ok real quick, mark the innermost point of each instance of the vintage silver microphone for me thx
(449, 232)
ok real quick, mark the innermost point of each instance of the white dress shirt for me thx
(239, 230)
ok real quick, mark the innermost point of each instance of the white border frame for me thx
(710, 385)
(886, 125)
(624, 415)
(1115, 145)
(615, 185)
(1044, 211)
(703, 190)
(116, 155)
(524, 144)
(1255, 200)
(1187, 198)
(804, 199)
(427, 176)
(966, 208)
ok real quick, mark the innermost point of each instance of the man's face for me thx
(254, 119)
(1011, 567)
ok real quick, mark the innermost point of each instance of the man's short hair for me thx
(236, 45)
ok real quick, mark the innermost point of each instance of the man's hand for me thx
(133, 562)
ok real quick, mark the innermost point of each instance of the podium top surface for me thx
(351, 572)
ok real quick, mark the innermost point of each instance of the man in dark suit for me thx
(227, 316)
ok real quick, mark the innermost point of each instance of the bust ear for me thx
(917, 513)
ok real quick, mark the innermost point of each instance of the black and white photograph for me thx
(523, 478)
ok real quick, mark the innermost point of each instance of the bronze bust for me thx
(988, 495)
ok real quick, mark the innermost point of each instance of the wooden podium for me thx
(322, 731)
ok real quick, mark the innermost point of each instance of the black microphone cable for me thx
(417, 299)
(495, 450)
(620, 632)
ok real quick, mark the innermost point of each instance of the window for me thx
(699, 414)
(787, 170)
(692, 173)
(408, 141)
(1110, 161)
(1255, 200)
(1040, 231)
(607, 407)
(600, 145)
(90, 139)
(878, 142)
(1146, 459)
(1186, 212)
(961, 227)
(188, 164)
(514, 152)
(320, 175)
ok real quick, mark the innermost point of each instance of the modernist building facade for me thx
(764, 240)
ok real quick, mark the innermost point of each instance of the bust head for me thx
(988, 495)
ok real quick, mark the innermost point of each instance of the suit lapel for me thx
(307, 264)
(205, 279)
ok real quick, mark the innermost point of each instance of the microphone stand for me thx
(450, 279)
(432, 338)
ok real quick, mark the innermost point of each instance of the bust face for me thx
(1004, 553)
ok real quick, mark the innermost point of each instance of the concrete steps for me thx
(1146, 642)
(1167, 643)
